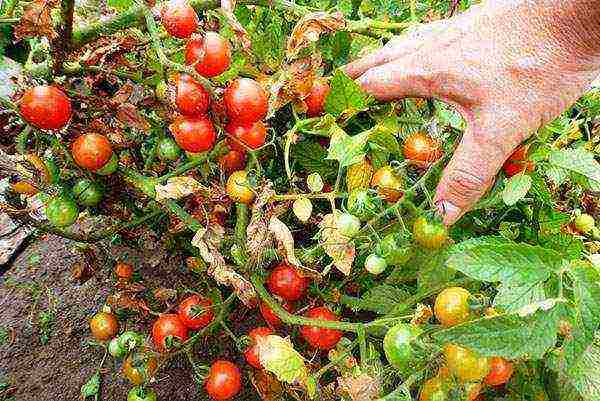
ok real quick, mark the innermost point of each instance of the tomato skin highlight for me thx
(224, 380)
(194, 134)
(45, 107)
(138, 374)
(232, 161)
(465, 364)
(318, 337)
(168, 325)
(245, 101)
(188, 316)
(104, 326)
(210, 54)
(270, 317)
(238, 187)
(179, 19)
(252, 135)
(452, 307)
(62, 211)
(315, 101)
(91, 151)
(421, 148)
(501, 371)
(191, 98)
(251, 354)
(429, 234)
(285, 281)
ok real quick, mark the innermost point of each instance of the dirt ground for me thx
(44, 334)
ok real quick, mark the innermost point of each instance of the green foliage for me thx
(312, 157)
(516, 188)
(92, 387)
(381, 299)
(347, 149)
(345, 97)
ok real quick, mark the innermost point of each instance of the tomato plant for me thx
(270, 317)
(315, 101)
(318, 337)
(500, 371)
(87, 193)
(179, 18)
(167, 149)
(238, 187)
(245, 101)
(194, 134)
(421, 148)
(210, 54)
(139, 367)
(141, 394)
(431, 234)
(104, 326)
(195, 312)
(387, 183)
(168, 329)
(45, 107)
(517, 162)
(465, 364)
(251, 353)
(287, 282)
(398, 346)
(224, 380)
(233, 160)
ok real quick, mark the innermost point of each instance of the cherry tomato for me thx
(191, 99)
(115, 349)
(141, 394)
(87, 192)
(395, 249)
(61, 211)
(196, 312)
(375, 264)
(167, 149)
(224, 380)
(347, 224)
(285, 281)
(139, 367)
(124, 271)
(465, 364)
(315, 101)
(452, 306)
(232, 161)
(104, 326)
(517, 162)
(109, 167)
(194, 134)
(179, 18)
(398, 345)
(430, 234)
(433, 390)
(388, 184)
(130, 340)
(270, 317)
(46, 107)
(210, 54)
(245, 101)
(252, 135)
(319, 337)
(91, 151)
(421, 148)
(238, 188)
(168, 326)
(584, 223)
(24, 188)
(362, 204)
(251, 354)
(500, 371)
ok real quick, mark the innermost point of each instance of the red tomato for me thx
(517, 162)
(251, 354)
(319, 337)
(232, 161)
(210, 54)
(245, 101)
(500, 371)
(224, 380)
(104, 326)
(194, 134)
(315, 101)
(191, 99)
(287, 282)
(270, 317)
(91, 151)
(124, 271)
(179, 18)
(46, 107)
(421, 148)
(168, 325)
(196, 312)
(252, 135)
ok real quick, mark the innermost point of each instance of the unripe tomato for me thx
(245, 101)
(167, 149)
(465, 364)
(517, 162)
(285, 281)
(61, 211)
(452, 306)
(238, 187)
(375, 264)
(191, 99)
(141, 394)
(139, 367)
(347, 224)
(179, 18)
(252, 135)
(91, 151)
(362, 204)
(270, 317)
(433, 390)
(24, 188)
(395, 249)
(500, 371)
(124, 271)
(429, 234)
(194, 134)
(109, 167)
(104, 326)
(319, 337)
(210, 54)
(46, 107)
(224, 380)
(315, 101)
(388, 184)
(421, 148)
(168, 325)
(584, 223)
(87, 192)
(251, 354)
(398, 347)
(232, 161)
(130, 340)
(196, 312)
(115, 349)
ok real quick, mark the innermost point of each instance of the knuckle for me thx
(464, 186)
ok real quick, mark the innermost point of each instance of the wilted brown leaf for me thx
(267, 385)
(309, 28)
(164, 294)
(339, 247)
(359, 388)
(294, 83)
(422, 314)
(129, 116)
(36, 20)
(257, 233)
(178, 187)
(285, 240)
(122, 300)
(227, 9)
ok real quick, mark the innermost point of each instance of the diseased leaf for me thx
(302, 209)
(36, 20)
(178, 187)
(516, 188)
(345, 96)
(339, 247)
(347, 149)
(278, 356)
(312, 157)
(310, 27)
(285, 240)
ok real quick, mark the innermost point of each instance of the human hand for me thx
(507, 66)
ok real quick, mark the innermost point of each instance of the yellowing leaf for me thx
(278, 356)
(303, 209)
(347, 149)
(339, 247)
(310, 27)
(284, 239)
(177, 187)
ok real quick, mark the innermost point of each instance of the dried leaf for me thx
(309, 28)
(258, 235)
(339, 247)
(227, 9)
(164, 294)
(294, 83)
(284, 239)
(359, 388)
(122, 300)
(277, 355)
(422, 315)
(267, 385)
(178, 187)
(130, 117)
(36, 20)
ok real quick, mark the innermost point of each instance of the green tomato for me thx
(348, 225)
(87, 192)
(61, 211)
(398, 345)
(167, 149)
(109, 167)
(363, 204)
(129, 340)
(395, 248)
(584, 223)
(375, 264)
(115, 349)
(141, 394)
(430, 234)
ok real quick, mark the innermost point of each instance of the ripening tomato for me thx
(104, 326)
(168, 326)
(232, 161)
(452, 306)
(24, 188)
(517, 162)
(139, 367)
(224, 380)
(196, 312)
(584, 223)
(465, 364)
(191, 99)
(315, 101)
(61, 211)
(46, 107)
(245, 101)
(124, 271)
(430, 234)
(287, 282)
(500, 371)
(433, 390)
(110, 167)
(388, 184)
(421, 148)
(210, 54)
(91, 151)
(179, 18)
(194, 134)
(115, 349)
(320, 337)
(270, 317)
(251, 354)
(87, 192)
(238, 187)
(253, 135)
(141, 394)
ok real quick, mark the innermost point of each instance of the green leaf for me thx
(516, 188)
(586, 288)
(551, 221)
(336, 48)
(311, 156)
(345, 96)
(347, 149)
(432, 273)
(91, 387)
(120, 5)
(511, 299)
(578, 161)
(383, 136)
(585, 374)
(381, 299)
(569, 246)
(539, 188)
(464, 246)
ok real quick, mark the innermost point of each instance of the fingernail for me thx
(449, 212)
